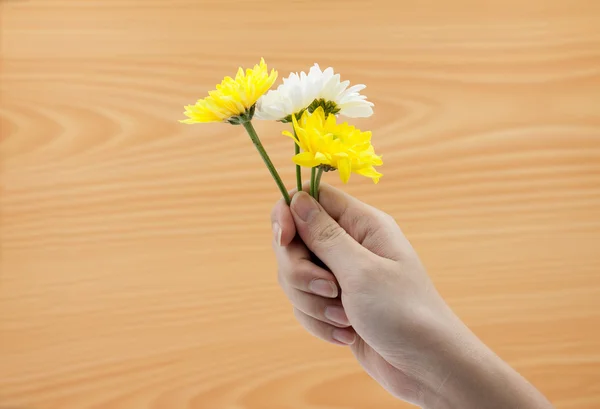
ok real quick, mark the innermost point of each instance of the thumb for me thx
(375, 230)
(325, 237)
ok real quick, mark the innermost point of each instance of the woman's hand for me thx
(375, 296)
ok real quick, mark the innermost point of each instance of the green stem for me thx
(298, 168)
(318, 182)
(263, 153)
(313, 176)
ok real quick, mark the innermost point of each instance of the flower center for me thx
(243, 117)
(326, 168)
(329, 107)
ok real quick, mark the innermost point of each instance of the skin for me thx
(354, 280)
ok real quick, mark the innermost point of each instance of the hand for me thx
(375, 296)
(389, 311)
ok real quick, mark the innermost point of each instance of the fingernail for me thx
(277, 232)
(337, 315)
(324, 288)
(344, 336)
(304, 206)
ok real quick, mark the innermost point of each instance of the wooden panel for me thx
(136, 269)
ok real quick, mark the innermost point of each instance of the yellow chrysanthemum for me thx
(234, 99)
(334, 146)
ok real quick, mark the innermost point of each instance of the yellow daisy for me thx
(234, 99)
(331, 146)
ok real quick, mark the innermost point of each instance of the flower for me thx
(330, 146)
(300, 92)
(234, 99)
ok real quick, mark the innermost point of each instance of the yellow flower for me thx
(234, 99)
(334, 146)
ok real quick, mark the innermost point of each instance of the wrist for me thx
(462, 367)
(451, 363)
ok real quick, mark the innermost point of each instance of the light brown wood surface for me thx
(136, 269)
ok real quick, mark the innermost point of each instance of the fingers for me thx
(322, 309)
(325, 331)
(312, 291)
(324, 236)
(296, 271)
(284, 229)
(308, 277)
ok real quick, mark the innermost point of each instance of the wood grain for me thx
(135, 260)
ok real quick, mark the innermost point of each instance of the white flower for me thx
(308, 91)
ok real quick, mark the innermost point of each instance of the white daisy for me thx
(309, 91)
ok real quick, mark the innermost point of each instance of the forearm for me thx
(476, 378)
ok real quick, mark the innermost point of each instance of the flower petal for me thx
(291, 135)
(306, 159)
(299, 91)
(322, 158)
(344, 169)
(357, 110)
(369, 172)
(233, 96)
(341, 146)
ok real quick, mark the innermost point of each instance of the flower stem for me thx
(313, 176)
(298, 168)
(318, 182)
(263, 153)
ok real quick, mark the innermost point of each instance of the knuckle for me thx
(296, 273)
(355, 218)
(388, 218)
(329, 233)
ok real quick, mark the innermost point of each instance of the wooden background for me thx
(136, 269)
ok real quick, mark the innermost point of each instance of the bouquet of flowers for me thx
(311, 103)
